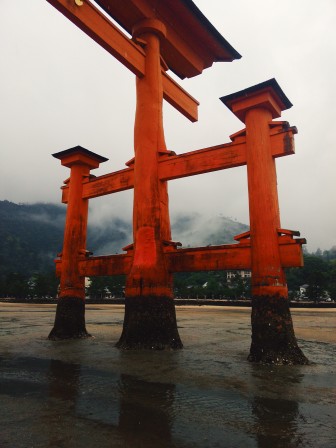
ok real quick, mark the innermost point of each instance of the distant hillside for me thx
(199, 230)
(32, 234)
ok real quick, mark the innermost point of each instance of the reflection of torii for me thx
(150, 320)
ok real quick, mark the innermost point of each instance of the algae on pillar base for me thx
(69, 320)
(150, 323)
(273, 337)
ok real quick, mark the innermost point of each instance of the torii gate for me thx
(150, 261)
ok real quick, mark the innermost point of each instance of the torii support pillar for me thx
(150, 319)
(70, 312)
(273, 338)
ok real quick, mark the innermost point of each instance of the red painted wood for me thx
(228, 155)
(71, 283)
(96, 25)
(80, 161)
(149, 275)
(192, 43)
(213, 258)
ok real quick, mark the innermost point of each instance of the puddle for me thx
(74, 394)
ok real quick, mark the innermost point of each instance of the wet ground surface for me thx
(87, 393)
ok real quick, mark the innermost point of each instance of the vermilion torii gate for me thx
(160, 41)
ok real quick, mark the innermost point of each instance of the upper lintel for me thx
(192, 43)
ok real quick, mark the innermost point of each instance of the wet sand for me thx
(87, 393)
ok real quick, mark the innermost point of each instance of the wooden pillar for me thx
(70, 312)
(150, 320)
(267, 274)
(273, 338)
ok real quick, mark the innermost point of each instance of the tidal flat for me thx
(87, 393)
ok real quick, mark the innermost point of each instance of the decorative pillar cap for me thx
(79, 155)
(149, 26)
(267, 94)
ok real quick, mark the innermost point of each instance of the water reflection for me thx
(206, 396)
(55, 404)
(63, 380)
(276, 422)
(130, 410)
(145, 409)
(276, 412)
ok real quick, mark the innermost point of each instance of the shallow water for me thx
(86, 393)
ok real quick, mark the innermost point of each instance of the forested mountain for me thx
(32, 234)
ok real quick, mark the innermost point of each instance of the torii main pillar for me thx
(273, 338)
(150, 319)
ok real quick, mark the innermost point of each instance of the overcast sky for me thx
(59, 89)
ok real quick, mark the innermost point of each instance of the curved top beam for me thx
(192, 44)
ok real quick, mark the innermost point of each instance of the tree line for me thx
(318, 276)
(31, 235)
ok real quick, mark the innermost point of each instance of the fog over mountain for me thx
(32, 234)
(201, 230)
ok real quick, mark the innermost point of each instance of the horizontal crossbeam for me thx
(102, 265)
(212, 258)
(90, 20)
(229, 257)
(215, 158)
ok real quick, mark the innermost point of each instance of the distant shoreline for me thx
(178, 302)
